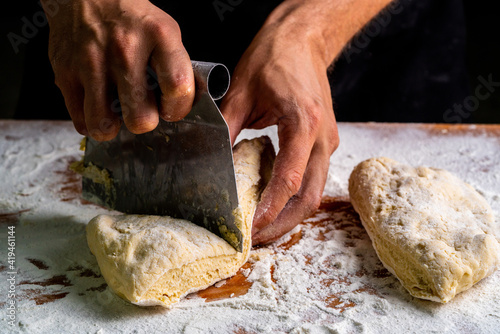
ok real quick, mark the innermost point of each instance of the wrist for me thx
(326, 26)
(305, 24)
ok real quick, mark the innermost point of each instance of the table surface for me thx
(322, 277)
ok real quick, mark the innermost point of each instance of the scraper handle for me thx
(213, 78)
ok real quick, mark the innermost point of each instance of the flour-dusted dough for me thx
(153, 260)
(429, 228)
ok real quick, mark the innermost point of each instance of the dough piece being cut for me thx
(153, 260)
(429, 228)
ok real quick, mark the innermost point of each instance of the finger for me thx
(73, 98)
(176, 80)
(240, 108)
(138, 104)
(235, 107)
(295, 141)
(102, 124)
(304, 203)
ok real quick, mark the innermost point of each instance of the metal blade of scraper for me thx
(182, 169)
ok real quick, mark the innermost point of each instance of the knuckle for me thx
(162, 29)
(177, 96)
(335, 142)
(60, 68)
(123, 47)
(314, 115)
(60, 80)
(154, 26)
(181, 84)
(327, 144)
(332, 139)
(174, 27)
(311, 202)
(309, 118)
(64, 72)
(291, 182)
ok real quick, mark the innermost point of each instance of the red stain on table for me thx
(68, 183)
(11, 218)
(337, 213)
(55, 280)
(294, 238)
(43, 294)
(41, 298)
(84, 272)
(334, 213)
(56, 287)
(234, 286)
(38, 263)
(243, 331)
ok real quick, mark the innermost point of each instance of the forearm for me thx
(325, 25)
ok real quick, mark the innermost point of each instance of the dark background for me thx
(426, 60)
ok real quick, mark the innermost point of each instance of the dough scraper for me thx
(181, 169)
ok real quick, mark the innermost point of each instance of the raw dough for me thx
(429, 228)
(153, 260)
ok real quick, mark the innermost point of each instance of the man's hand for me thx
(101, 51)
(282, 79)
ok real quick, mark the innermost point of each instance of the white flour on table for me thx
(323, 277)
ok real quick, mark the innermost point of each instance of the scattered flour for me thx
(323, 277)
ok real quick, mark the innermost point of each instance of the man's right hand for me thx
(100, 51)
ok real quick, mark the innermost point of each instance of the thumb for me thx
(235, 108)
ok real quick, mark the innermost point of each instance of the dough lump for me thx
(153, 260)
(428, 227)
